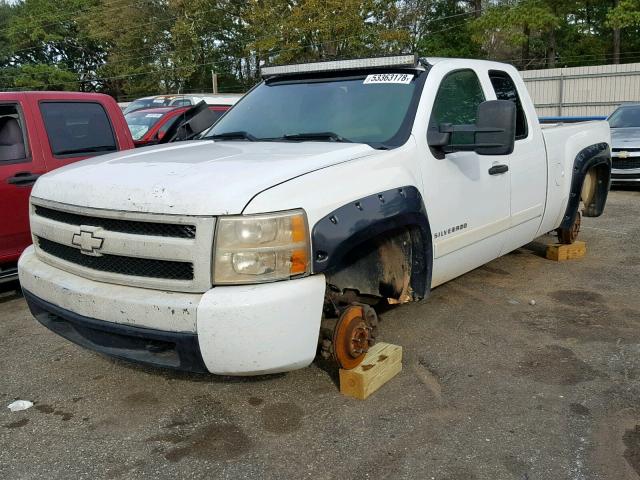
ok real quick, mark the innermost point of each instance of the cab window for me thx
(77, 128)
(506, 89)
(12, 144)
(457, 102)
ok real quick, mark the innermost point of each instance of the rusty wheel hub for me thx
(569, 235)
(353, 335)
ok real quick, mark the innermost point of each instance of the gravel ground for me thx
(492, 388)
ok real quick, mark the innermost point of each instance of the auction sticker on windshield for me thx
(388, 78)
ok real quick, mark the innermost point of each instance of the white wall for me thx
(595, 90)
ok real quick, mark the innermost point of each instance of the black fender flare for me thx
(364, 219)
(587, 158)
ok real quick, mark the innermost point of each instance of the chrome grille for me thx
(139, 267)
(166, 252)
(116, 225)
(625, 163)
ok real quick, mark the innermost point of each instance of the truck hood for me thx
(625, 137)
(190, 178)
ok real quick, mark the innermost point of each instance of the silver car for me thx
(625, 144)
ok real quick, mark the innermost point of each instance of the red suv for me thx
(41, 131)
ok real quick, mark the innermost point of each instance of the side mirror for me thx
(494, 132)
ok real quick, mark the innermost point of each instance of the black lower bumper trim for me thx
(629, 177)
(178, 351)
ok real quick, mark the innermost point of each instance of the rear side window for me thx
(506, 89)
(77, 128)
(12, 139)
(457, 101)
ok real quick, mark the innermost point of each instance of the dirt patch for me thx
(44, 408)
(214, 442)
(595, 324)
(579, 409)
(631, 440)
(428, 377)
(48, 409)
(494, 270)
(282, 417)
(577, 298)
(255, 401)
(173, 437)
(141, 399)
(17, 424)
(555, 365)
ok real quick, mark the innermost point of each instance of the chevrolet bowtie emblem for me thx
(89, 241)
(623, 154)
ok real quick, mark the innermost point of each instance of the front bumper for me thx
(143, 345)
(235, 330)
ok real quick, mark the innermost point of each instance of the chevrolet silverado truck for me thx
(330, 187)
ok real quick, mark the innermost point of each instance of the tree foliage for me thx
(130, 48)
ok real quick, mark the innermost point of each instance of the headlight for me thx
(261, 248)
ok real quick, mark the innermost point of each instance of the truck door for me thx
(20, 166)
(469, 192)
(527, 167)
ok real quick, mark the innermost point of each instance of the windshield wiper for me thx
(239, 135)
(331, 136)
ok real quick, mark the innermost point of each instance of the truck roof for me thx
(55, 95)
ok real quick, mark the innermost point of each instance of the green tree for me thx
(40, 36)
(440, 28)
(307, 30)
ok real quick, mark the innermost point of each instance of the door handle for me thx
(498, 169)
(23, 179)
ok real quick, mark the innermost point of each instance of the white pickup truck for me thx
(329, 187)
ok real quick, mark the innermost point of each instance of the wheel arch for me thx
(593, 160)
(397, 216)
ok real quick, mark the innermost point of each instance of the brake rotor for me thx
(353, 335)
(569, 235)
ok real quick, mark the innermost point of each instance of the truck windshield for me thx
(625, 117)
(375, 109)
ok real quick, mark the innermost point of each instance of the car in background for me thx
(625, 144)
(149, 125)
(39, 132)
(159, 101)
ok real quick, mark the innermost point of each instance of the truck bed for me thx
(563, 142)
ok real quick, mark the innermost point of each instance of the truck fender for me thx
(368, 218)
(598, 156)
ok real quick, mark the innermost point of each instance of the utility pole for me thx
(214, 81)
(616, 39)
